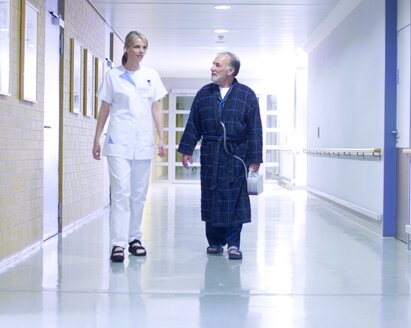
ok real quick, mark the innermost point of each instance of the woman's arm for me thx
(101, 121)
(157, 113)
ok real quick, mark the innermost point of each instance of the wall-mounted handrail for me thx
(346, 153)
(285, 150)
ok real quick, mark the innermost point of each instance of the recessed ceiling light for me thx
(220, 48)
(222, 7)
(221, 31)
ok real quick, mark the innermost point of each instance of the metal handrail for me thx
(347, 153)
(285, 150)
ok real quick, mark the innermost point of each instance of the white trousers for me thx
(129, 184)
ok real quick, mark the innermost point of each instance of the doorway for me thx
(402, 131)
(51, 122)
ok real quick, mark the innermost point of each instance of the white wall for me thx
(346, 101)
(403, 80)
(259, 86)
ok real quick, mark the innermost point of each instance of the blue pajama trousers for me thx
(230, 235)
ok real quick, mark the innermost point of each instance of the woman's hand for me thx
(161, 149)
(97, 151)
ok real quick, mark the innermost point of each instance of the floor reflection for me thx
(223, 302)
(306, 265)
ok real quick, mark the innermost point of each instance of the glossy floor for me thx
(306, 265)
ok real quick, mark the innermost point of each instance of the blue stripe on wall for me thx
(390, 167)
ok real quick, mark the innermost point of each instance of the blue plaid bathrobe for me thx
(224, 197)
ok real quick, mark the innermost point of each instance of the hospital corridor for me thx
(155, 112)
(306, 264)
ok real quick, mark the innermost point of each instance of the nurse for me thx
(130, 94)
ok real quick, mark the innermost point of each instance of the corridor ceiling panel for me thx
(182, 34)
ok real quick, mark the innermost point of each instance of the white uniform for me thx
(129, 145)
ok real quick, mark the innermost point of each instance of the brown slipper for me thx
(234, 254)
(215, 249)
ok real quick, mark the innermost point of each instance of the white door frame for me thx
(51, 123)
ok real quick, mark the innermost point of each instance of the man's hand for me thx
(254, 167)
(187, 159)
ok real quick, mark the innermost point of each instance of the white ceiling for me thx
(182, 39)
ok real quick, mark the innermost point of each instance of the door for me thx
(180, 106)
(402, 204)
(403, 132)
(51, 123)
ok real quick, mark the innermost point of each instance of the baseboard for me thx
(353, 207)
(18, 257)
(77, 224)
(286, 182)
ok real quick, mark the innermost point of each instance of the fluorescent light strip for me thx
(222, 7)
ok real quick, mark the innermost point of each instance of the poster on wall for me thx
(99, 75)
(5, 47)
(75, 76)
(89, 91)
(29, 27)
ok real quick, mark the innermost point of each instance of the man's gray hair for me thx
(234, 61)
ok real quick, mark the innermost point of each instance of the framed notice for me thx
(28, 52)
(75, 76)
(5, 47)
(99, 75)
(89, 88)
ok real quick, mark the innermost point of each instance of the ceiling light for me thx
(222, 7)
(220, 48)
(221, 31)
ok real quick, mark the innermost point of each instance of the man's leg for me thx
(233, 235)
(215, 237)
(233, 240)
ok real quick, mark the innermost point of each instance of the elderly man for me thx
(225, 114)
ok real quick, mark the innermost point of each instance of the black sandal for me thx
(117, 254)
(136, 249)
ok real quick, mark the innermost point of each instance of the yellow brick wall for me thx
(82, 176)
(21, 148)
(21, 136)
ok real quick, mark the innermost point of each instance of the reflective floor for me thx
(306, 264)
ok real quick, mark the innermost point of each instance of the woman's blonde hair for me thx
(131, 36)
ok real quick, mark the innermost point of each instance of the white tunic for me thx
(130, 132)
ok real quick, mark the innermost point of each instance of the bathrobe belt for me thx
(216, 155)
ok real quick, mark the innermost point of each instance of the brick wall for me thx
(82, 176)
(21, 148)
(21, 136)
